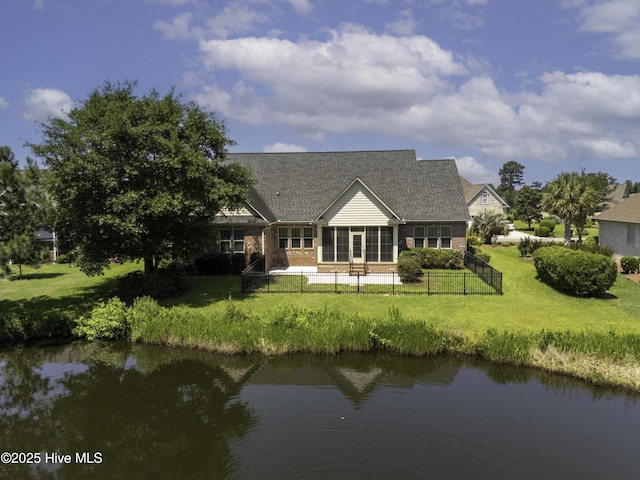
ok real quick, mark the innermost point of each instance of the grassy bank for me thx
(531, 324)
(604, 358)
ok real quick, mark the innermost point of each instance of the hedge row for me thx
(575, 271)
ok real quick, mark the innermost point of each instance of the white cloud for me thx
(173, 3)
(405, 24)
(3, 103)
(618, 18)
(357, 81)
(352, 82)
(606, 148)
(42, 103)
(302, 7)
(469, 168)
(279, 147)
(179, 28)
(461, 13)
(235, 18)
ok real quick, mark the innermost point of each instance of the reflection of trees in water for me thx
(178, 418)
(163, 413)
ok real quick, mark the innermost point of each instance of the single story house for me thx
(481, 197)
(619, 227)
(344, 211)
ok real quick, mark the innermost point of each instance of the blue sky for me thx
(553, 85)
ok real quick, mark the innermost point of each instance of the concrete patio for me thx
(341, 278)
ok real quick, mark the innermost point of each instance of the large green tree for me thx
(527, 205)
(138, 176)
(511, 175)
(22, 212)
(574, 197)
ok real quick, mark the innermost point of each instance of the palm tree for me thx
(570, 197)
(489, 223)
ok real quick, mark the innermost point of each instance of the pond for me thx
(122, 411)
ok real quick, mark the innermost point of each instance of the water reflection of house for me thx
(357, 385)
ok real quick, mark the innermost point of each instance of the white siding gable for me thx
(357, 206)
(230, 213)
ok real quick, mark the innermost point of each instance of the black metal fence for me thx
(478, 279)
(486, 272)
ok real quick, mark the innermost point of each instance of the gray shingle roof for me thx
(295, 187)
(627, 211)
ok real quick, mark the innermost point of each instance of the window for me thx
(328, 245)
(238, 240)
(485, 198)
(372, 244)
(445, 236)
(283, 237)
(225, 240)
(295, 237)
(342, 244)
(231, 240)
(432, 237)
(418, 237)
(386, 244)
(378, 243)
(307, 240)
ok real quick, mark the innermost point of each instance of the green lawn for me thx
(558, 231)
(59, 287)
(527, 304)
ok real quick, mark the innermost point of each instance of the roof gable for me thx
(473, 191)
(357, 205)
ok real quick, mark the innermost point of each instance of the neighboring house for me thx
(481, 197)
(618, 195)
(343, 210)
(49, 239)
(619, 227)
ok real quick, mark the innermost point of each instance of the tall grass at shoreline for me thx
(601, 358)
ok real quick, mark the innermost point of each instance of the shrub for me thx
(160, 285)
(238, 263)
(630, 264)
(574, 271)
(434, 258)
(485, 257)
(592, 248)
(66, 257)
(22, 323)
(144, 317)
(541, 231)
(549, 223)
(527, 246)
(473, 240)
(220, 264)
(409, 268)
(107, 321)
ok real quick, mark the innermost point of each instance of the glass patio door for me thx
(356, 244)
